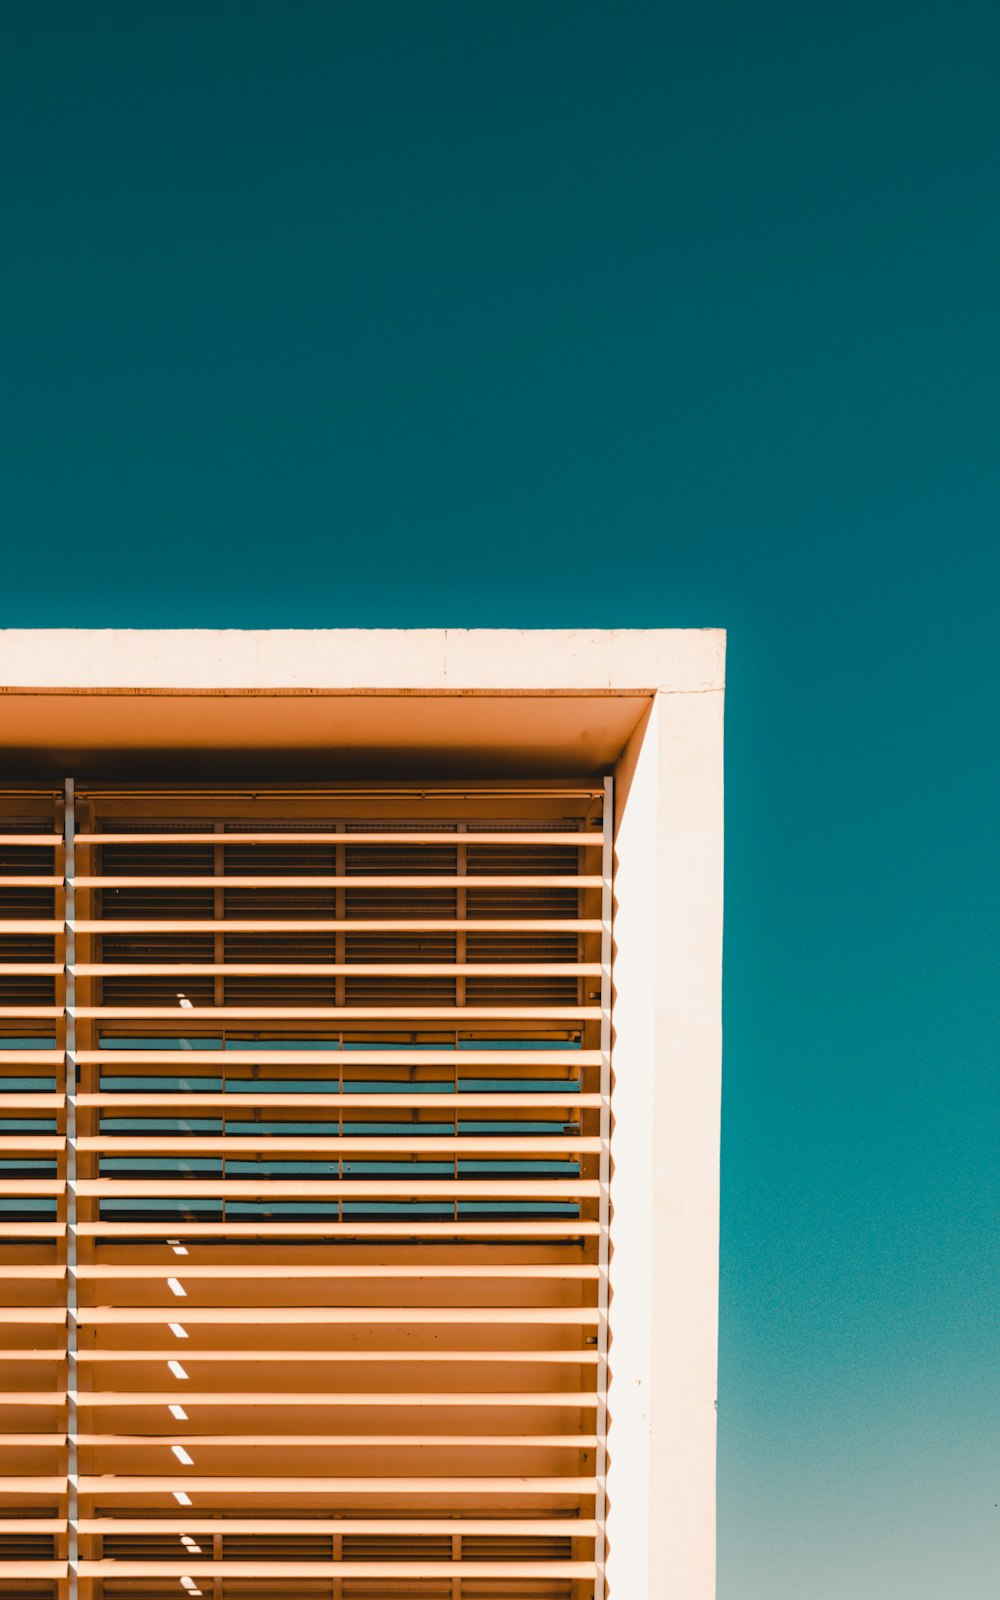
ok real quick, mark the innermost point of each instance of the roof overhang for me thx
(345, 703)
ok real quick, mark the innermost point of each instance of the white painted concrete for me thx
(667, 1060)
(437, 660)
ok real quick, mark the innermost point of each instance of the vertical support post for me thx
(218, 960)
(218, 1554)
(337, 1586)
(69, 1083)
(218, 912)
(461, 912)
(456, 1555)
(604, 1176)
(340, 937)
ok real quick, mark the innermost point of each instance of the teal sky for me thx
(563, 314)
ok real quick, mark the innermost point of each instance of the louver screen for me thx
(303, 1131)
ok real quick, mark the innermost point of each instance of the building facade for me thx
(360, 1054)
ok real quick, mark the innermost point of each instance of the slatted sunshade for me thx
(303, 1166)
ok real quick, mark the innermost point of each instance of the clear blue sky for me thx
(635, 315)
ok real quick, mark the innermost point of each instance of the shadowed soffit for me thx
(312, 734)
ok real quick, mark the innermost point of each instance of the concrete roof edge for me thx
(679, 660)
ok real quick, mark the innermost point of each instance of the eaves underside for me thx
(146, 733)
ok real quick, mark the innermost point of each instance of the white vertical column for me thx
(665, 1154)
(69, 1082)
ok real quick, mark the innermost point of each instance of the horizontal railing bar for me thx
(197, 1523)
(313, 925)
(375, 1569)
(35, 1397)
(33, 1355)
(581, 1357)
(424, 1229)
(323, 969)
(54, 1525)
(570, 840)
(31, 1314)
(44, 1229)
(345, 792)
(291, 1272)
(113, 1483)
(35, 1569)
(46, 1441)
(296, 1316)
(31, 1058)
(472, 1100)
(346, 1144)
(31, 1186)
(11, 1101)
(297, 1441)
(410, 1013)
(548, 880)
(261, 1053)
(583, 1399)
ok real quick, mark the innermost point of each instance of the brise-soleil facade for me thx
(359, 1114)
